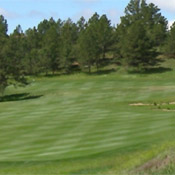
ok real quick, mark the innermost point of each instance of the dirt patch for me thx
(140, 104)
(156, 164)
(165, 106)
(168, 110)
(150, 104)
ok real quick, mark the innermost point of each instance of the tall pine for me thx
(145, 22)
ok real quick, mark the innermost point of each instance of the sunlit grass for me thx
(84, 124)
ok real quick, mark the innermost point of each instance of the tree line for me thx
(56, 45)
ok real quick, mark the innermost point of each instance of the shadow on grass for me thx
(101, 72)
(151, 70)
(52, 75)
(18, 97)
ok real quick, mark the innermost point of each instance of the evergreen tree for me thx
(137, 47)
(56, 45)
(81, 24)
(93, 30)
(95, 41)
(3, 61)
(12, 68)
(69, 36)
(51, 46)
(169, 46)
(155, 23)
(139, 13)
(105, 35)
(88, 47)
(32, 47)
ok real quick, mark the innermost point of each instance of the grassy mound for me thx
(84, 124)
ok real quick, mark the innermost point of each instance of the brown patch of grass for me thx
(159, 105)
(168, 110)
(151, 104)
(155, 165)
(140, 104)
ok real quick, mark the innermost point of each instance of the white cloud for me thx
(86, 13)
(8, 14)
(42, 15)
(35, 13)
(113, 15)
(170, 23)
(166, 5)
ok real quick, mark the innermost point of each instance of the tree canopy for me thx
(56, 45)
(141, 31)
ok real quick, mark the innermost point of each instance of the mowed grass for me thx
(84, 124)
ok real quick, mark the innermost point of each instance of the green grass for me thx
(83, 124)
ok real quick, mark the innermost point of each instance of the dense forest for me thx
(65, 46)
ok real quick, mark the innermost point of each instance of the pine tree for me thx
(51, 46)
(95, 41)
(169, 46)
(105, 36)
(3, 61)
(81, 24)
(146, 18)
(69, 36)
(12, 68)
(86, 49)
(32, 47)
(137, 47)
(88, 43)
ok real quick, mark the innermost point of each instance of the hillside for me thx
(86, 124)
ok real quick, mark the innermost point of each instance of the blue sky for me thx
(29, 13)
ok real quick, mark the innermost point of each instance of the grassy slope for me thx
(84, 124)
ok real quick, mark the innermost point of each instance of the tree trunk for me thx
(104, 53)
(30, 64)
(97, 66)
(89, 67)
